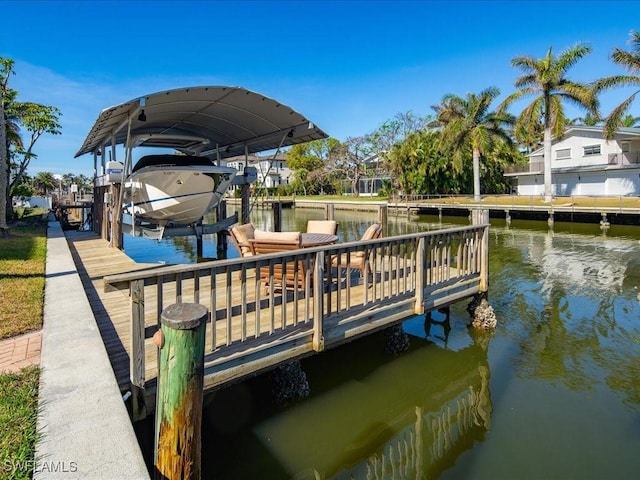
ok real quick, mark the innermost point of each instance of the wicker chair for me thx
(272, 242)
(358, 259)
(241, 234)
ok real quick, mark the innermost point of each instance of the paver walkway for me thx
(19, 352)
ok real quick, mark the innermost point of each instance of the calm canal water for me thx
(554, 392)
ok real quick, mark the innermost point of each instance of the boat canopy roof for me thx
(202, 121)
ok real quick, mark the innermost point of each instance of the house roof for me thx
(226, 117)
(622, 133)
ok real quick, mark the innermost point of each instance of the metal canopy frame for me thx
(233, 121)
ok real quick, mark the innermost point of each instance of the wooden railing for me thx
(252, 328)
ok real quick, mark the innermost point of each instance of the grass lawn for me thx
(506, 200)
(18, 414)
(22, 265)
(22, 270)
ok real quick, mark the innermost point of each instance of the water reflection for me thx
(363, 420)
(554, 392)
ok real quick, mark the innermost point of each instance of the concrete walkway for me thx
(19, 352)
(85, 430)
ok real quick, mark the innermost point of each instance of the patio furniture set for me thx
(251, 241)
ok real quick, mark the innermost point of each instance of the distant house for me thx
(272, 171)
(373, 179)
(584, 163)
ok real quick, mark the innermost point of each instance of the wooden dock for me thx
(252, 329)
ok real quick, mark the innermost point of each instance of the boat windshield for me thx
(177, 160)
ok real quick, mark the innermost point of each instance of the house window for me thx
(591, 150)
(625, 146)
(563, 154)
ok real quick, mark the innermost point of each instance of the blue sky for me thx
(346, 65)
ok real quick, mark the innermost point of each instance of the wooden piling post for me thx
(245, 210)
(479, 308)
(180, 385)
(277, 216)
(117, 240)
(199, 240)
(221, 239)
(382, 218)
(329, 211)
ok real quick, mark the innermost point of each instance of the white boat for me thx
(203, 125)
(177, 189)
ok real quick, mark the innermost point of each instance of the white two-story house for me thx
(584, 163)
(272, 171)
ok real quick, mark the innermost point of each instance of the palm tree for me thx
(588, 120)
(467, 125)
(630, 60)
(546, 78)
(44, 182)
(629, 121)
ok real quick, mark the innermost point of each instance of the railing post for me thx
(418, 308)
(318, 302)
(180, 390)
(136, 359)
(481, 217)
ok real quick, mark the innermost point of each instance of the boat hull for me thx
(166, 194)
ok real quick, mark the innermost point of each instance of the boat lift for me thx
(227, 121)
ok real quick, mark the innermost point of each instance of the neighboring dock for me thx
(602, 210)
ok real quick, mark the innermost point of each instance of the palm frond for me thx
(571, 56)
(525, 63)
(614, 120)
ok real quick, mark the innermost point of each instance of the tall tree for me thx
(395, 130)
(349, 163)
(630, 60)
(308, 161)
(545, 78)
(469, 126)
(37, 120)
(44, 182)
(15, 155)
(6, 131)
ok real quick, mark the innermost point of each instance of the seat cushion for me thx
(277, 236)
(322, 226)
